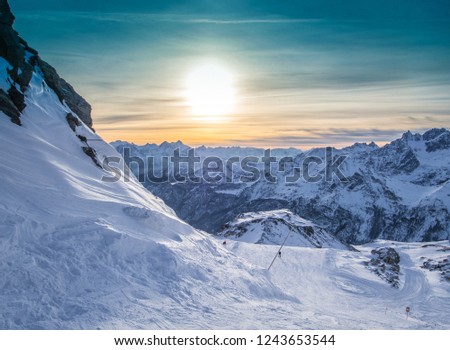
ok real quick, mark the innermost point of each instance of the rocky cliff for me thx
(21, 61)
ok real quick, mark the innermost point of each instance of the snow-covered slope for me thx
(347, 294)
(279, 227)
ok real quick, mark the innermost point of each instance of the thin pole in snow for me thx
(279, 250)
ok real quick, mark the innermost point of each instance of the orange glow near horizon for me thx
(222, 79)
(202, 109)
(229, 132)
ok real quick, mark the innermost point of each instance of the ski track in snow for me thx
(344, 294)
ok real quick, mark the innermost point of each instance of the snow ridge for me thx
(279, 227)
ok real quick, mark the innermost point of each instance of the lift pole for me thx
(279, 250)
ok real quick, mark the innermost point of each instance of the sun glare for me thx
(210, 91)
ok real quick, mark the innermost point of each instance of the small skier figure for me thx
(279, 254)
(224, 243)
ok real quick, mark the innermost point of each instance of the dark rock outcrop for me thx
(8, 107)
(6, 17)
(23, 60)
(440, 264)
(434, 133)
(385, 263)
(66, 92)
(72, 121)
(82, 138)
(91, 153)
(397, 156)
(443, 266)
(13, 51)
(440, 142)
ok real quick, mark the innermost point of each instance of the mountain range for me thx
(400, 191)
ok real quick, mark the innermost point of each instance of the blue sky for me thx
(307, 73)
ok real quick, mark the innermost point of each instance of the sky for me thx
(304, 73)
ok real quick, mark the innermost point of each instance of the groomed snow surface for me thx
(81, 253)
(336, 290)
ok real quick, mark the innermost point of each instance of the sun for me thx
(210, 91)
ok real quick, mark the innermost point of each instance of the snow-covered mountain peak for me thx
(432, 140)
(361, 147)
(409, 136)
(279, 227)
(434, 133)
(280, 214)
(437, 139)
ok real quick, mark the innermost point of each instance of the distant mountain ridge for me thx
(400, 191)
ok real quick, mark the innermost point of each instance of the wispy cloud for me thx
(321, 137)
(113, 119)
(251, 21)
(349, 133)
(127, 17)
(298, 81)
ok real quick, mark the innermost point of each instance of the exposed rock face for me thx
(23, 60)
(385, 263)
(8, 107)
(12, 49)
(72, 121)
(398, 156)
(440, 264)
(66, 93)
(438, 142)
(6, 15)
(91, 153)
